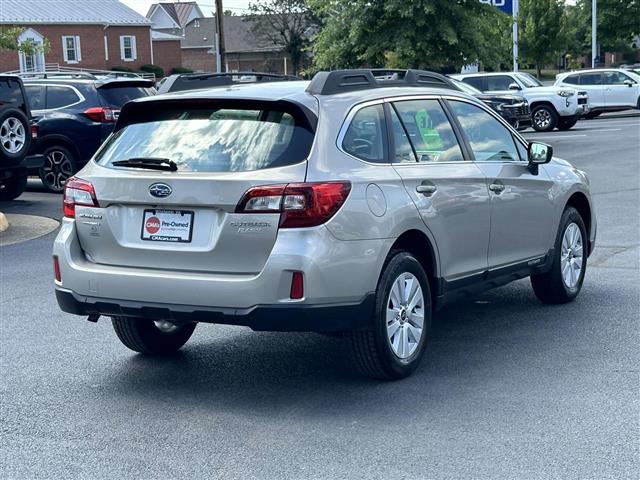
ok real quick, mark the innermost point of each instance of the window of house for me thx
(71, 49)
(196, 23)
(128, 48)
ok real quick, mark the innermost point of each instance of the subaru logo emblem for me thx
(160, 190)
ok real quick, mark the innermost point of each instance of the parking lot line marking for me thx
(551, 137)
(610, 130)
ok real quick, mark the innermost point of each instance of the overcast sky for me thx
(207, 6)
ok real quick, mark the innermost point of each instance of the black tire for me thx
(544, 118)
(550, 287)
(371, 348)
(59, 164)
(15, 136)
(12, 187)
(143, 336)
(567, 123)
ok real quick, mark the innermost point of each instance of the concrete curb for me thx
(4, 223)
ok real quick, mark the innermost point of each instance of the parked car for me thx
(75, 114)
(194, 81)
(345, 204)
(513, 108)
(17, 130)
(551, 107)
(609, 89)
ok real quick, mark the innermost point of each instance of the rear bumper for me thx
(288, 318)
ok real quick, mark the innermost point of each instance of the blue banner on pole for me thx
(505, 5)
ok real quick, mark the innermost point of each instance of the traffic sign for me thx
(505, 5)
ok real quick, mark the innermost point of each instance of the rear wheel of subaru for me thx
(392, 347)
(563, 282)
(544, 118)
(59, 166)
(151, 337)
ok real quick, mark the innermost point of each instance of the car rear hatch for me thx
(116, 92)
(187, 164)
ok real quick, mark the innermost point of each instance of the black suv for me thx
(15, 138)
(75, 114)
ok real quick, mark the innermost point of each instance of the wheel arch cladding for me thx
(59, 141)
(580, 202)
(414, 242)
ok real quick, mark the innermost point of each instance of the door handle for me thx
(496, 188)
(426, 190)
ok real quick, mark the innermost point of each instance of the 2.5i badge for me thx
(167, 226)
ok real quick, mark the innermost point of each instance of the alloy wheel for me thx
(571, 260)
(57, 169)
(542, 118)
(12, 135)
(405, 315)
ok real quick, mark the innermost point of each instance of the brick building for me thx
(93, 34)
(167, 52)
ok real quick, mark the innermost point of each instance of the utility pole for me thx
(220, 27)
(516, 13)
(594, 33)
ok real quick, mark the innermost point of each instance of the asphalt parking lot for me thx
(509, 388)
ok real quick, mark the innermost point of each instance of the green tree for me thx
(9, 41)
(285, 23)
(439, 34)
(540, 25)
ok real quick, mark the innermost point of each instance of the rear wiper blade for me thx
(149, 163)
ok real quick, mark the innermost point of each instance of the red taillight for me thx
(34, 131)
(297, 286)
(300, 204)
(78, 192)
(102, 114)
(56, 269)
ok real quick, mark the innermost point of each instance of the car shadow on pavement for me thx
(474, 346)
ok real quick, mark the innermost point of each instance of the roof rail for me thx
(191, 81)
(340, 81)
(25, 75)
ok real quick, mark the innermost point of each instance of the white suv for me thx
(551, 107)
(610, 90)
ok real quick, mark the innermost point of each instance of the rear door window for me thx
(429, 130)
(60, 96)
(591, 79)
(10, 92)
(365, 137)
(214, 139)
(474, 82)
(499, 82)
(118, 96)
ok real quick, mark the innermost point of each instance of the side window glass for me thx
(572, 80)
(591, 79)
(35, 96)
(402, 145)
(474, 82)
(490, 140)
(364, 138)
(10, 91)
(58, 97)
(429, 130)
(499, 82)
(615, 78)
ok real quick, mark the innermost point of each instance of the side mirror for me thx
(514, 86)
(629, 83)
(539, 154)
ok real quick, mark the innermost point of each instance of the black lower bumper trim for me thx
(273, 318)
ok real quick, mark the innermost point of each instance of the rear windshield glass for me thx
(214, 140)
(118, 96)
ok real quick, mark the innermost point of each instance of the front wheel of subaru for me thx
(158, 337)
(392, 347)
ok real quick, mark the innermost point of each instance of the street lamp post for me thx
(594, 33)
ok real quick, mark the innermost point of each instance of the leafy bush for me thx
(176, 70)
(155, 69)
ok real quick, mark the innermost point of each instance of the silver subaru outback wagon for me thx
(359, 202)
